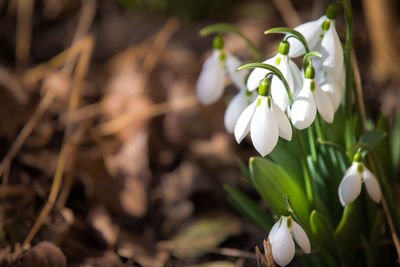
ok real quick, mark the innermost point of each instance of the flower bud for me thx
(284, 47)
(218, 42)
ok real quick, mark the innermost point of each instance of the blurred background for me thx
(108, 159)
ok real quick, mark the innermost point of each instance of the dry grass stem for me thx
(287, 12)
(68, 143)
(88, 11)
(123, 121)
(25, 132)
(24, 32)
(14, 190)
(158, 45)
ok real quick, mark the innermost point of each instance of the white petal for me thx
(349, 188)
(332, 89)
(284, 127)
(210, 84)
(311, 32)
(373, 188)
(238, 77)
(324, 104)
(274, 230)
(296, 77)
(303, 109)
(301, 237)
(263, 128)
(258, 74)
(278, 90)
(282, 244)
(353, 169)
(332, 52)
(234, 109)
(242, 126)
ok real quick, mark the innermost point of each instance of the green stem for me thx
(292, 33)
(226, 27)
(348, 14)
(308, 181)
(275, 71)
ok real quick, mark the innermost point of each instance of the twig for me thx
(68, 142)
(158, 45)
(26, 131)
(123, 121)
(14, 190)
(88, 11)
(287, 12)
(24, 32)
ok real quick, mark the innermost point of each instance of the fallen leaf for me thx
(201, 235)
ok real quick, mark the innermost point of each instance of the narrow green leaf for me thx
(226, 27)
(272, 182)
(250, 209)
(323, 233)
(395, 141)
(372, 137)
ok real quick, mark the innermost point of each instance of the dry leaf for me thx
(200, 236)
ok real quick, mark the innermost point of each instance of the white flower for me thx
(335, 88)
(211, 81)
(350, 186)
(321, 36)
(289, 71)
(238, 103)
(310, 99)
(281, 239)
(266, 122)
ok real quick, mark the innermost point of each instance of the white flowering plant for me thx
(311, 178)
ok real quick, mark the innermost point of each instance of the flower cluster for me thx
(317, 88)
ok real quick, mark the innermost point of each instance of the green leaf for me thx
(349, 228)
(323, 233)
(395, 141)
(248, 208)
(226, 27)
(272, 182)
(384, 150)
(202, 235)
(244, 171)
(372, 137)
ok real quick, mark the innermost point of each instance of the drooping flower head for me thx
(211, 82)
(310, 99)
(289, 71)
(264, 120)
(350, 186)
(281, 239)
(235, 107)
(321, 36)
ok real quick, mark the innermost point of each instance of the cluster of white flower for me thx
(320, 87)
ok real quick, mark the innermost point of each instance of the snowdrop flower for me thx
(281, 239)
(350, 186)
(211, 81)
(289, 70)
(321, 36)
(335, 88)
(235, 107)
(310, 99)
(264, 120)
